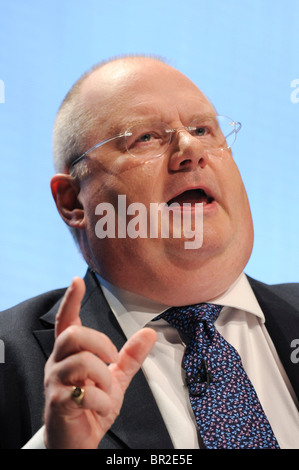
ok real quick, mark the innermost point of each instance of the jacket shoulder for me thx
(29, 311)
(289, 292)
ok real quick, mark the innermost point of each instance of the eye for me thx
(200, 131)
(145, 137)
(148, 139)
(202, 128)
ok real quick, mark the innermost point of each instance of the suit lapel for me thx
(140, 424)
(282, 323)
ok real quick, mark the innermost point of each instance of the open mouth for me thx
(192, 196)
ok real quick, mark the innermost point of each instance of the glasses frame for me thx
(237, 128)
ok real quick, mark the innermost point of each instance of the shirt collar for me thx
(133, 311)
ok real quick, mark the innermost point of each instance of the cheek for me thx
(137, 181)
(140, 182)
(239, 209)
(233, 189)
(234, 198)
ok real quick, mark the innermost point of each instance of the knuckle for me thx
(70, 336)
(50, 373)
(73, 331)
(54, 398)
(83, 358)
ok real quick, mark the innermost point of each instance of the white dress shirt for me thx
(241, 323)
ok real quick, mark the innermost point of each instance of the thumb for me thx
(132, 355)
(69, 310)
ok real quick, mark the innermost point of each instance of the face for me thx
(125, 92)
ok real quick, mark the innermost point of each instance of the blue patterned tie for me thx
(226, 408)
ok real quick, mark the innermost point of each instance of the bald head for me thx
(74, 118)
(78, 118)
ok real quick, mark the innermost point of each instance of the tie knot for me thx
(190, 317)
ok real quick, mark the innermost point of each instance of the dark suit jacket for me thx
(28, 335)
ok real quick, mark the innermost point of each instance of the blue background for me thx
(243, 55)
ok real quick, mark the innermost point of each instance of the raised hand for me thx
(88, 359)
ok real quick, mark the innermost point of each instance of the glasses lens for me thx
(214, 132)
(148, 139)
(228, 131)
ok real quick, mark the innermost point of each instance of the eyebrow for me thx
(119, 128)
(204, 116)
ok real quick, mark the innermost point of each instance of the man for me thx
(138, 128)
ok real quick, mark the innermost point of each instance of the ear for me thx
(65, 190)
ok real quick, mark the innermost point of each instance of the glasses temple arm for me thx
(77, 160)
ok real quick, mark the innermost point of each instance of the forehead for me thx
(124, 91)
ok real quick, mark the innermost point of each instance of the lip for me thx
(206, 208)
(209, 193)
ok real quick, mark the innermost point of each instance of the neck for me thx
(177, 286)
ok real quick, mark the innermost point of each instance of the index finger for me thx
(69, 310)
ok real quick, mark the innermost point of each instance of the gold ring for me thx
(78, 395)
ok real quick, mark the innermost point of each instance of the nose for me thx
(187, 152)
